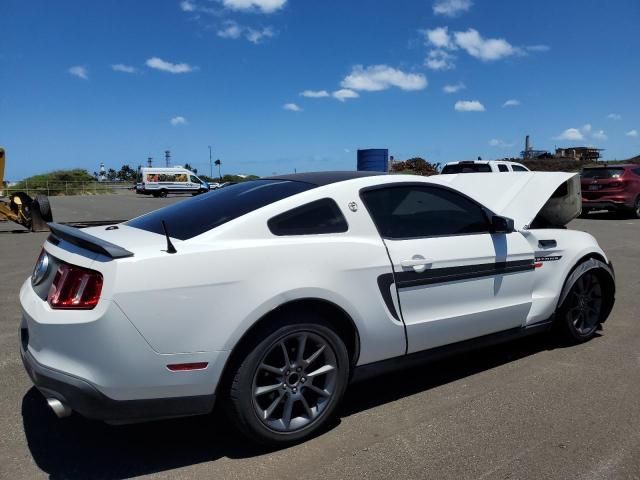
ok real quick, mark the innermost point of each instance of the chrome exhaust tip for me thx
(60, 409)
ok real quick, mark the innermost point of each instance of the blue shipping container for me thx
(373, 159)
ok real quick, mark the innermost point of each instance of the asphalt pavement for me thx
(529, 409)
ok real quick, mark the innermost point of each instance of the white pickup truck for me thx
(486, 166)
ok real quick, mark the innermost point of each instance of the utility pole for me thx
(210, 164)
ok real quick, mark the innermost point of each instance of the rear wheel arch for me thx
(337, 317)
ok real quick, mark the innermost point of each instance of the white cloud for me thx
(614, 116)
(451, 8)
(496, 142)
(265, 6)
(442, 44)
(485, 49)
(454, 88)
(599, 135)
(159, 64)
(175, 121)
(381, 77)
(120, 67)
(231, 30)
(344, 94)
(439, 59)
(583, 133)
(234, 31)
(256, 36)
(314, 93)
(469, 106)
(292, 107)
(79, 71)
(187, 6)
(538, 48)
(632, 133)
(572, 134)
(439, 38)
(512, 102)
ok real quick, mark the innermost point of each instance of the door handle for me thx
(418, 263)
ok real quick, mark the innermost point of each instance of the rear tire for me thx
(41, 202)
(163, 193)
(581, 313)
(288, 380)
(636, 208)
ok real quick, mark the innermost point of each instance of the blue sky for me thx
(116, 81)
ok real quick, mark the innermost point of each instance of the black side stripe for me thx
(466, 272)
(384, 284)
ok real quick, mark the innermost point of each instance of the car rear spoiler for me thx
(84, 240)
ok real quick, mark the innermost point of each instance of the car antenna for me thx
(170, 247)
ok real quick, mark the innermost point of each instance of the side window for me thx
(194, 179)
(636, 171)
(417, 211)
(518, 168)
(503, 168)
(321, 216)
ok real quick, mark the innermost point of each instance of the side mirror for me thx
(501, 224)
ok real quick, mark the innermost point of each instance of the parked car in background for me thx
(317, 279)
(483, 166)
(160, 182)
(611, 187)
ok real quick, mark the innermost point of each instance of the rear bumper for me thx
(82, 397)
(613, 202)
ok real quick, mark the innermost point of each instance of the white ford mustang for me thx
(272, 295)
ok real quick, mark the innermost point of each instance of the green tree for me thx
(126, 174)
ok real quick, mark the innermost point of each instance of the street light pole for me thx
(210, 164)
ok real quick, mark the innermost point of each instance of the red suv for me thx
(614, 187)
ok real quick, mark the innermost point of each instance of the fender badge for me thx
(353, 206)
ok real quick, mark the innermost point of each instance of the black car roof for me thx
(324, 178)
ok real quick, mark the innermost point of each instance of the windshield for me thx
(602, 172)
(190, 218)
(466, 168)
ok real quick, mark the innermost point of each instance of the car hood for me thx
(521, 196)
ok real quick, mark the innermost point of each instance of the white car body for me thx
(400, 296)
(495, 166)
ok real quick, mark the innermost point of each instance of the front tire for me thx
(581, 313)
(290, 381)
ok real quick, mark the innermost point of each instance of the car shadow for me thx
(79, 448)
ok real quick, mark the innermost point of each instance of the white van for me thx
(160, 182)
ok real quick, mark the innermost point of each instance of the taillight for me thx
(75, 288)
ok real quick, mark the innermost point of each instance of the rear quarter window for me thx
(200, 214)
(321, 216)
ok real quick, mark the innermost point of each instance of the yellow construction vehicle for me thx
(32, 213)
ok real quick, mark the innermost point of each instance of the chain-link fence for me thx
(66, 188)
